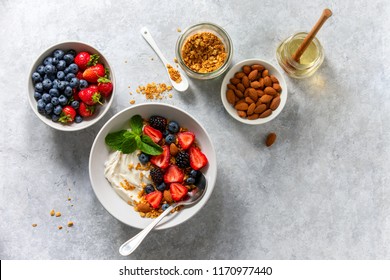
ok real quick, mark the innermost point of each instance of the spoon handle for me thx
(130, 245)
(145, 33)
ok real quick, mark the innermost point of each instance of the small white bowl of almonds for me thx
(254, 92)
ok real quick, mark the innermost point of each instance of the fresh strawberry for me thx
(76, 95)
(154, 198)
(90, 96)
(79, 75)
(153, 133)
(162, 160)
(84, 59)
(94, 87)
(197, 158)
(86, 111)
(68, 114)
(93, 73)
(185, 139)
(105, 87)
(178, 191)
(173, 175)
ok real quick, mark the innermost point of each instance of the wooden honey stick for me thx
(310, 36)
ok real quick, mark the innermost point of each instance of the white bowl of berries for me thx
(147, 157)
(71, 86)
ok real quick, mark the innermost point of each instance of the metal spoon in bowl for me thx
(192, 197)
(183, 84)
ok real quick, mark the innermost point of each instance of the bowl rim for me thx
(210, 184)
(269, 66)
(73, 126)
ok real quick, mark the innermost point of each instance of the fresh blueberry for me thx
(78, 119)
(165, 133)
(162, 187)
(50, 76)
(143, 158)
(55, 118)
(50, 69)
(173, 127)
(170, 139)
(55, 101)
(49, 108)
(37, 95)
(46, 98)
(54, 92)
(55, 83)
(68, 58)
(55, 61)
(73, 68)
(190, 180)
(47, 84)
(57, 110)
(58, 54)
(75, 104)
(68, 91)
(74, 82)
(165, 206)
(48, 60)
(83, 84)
(67, 70)
(61, 85)
(69, 77)
(41, 69)
(41, 105)
(149, 188)
(61, 65)
(194, 173)
(63, 100)
(36, 77)
(72, 52)
(60, 75)
(39, 87)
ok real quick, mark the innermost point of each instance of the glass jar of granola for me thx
(204, 51)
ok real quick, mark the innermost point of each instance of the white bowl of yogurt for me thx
(116, 199)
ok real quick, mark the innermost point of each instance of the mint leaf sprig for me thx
(127, 141)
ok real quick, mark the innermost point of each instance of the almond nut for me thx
(260, 93)
(144, 208)
(270, 139)
(260, 108)
(253, 95)
(174, 149)
(252, 75)
(247, 69)
(251, 108)
(274, 79)
(261, 81)
(230, 96)
(167, 196)
(265, 73)
(230, 86)
(258, 67)
(239, 75)
(238, 93)
(240, 87)
(241, 106)
(245, 81)
(275, 103)
(255, 84)
(241, 114)
(270, 91)
(249, 100)
(267, 81)
(266, 113)
(266, 98)
(253, 117)
(277, 87)
(234, 81)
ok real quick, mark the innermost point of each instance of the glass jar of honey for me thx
(308, 63)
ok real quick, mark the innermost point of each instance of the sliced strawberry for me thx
(173, 175)
(197, 158)
(154, 198)
(162, 160)
(178, 191)
(185, 139)
(153, 133)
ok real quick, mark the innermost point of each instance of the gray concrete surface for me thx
(321, 192)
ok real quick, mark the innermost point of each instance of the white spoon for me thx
(183, 85)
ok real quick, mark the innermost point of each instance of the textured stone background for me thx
(321, 192)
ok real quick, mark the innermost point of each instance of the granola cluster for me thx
(204, 52)
(174, 74)
(154, 91)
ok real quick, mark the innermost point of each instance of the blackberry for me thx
(183, 159)
(158, 123)
(157, 175)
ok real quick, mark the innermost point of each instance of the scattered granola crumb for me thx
(58, 214)
(52, 212)
(174, 74)
(204, 52)
(69, 199)
(130, 93)
(175, 60)
(179, 30)
(70, 224)
(59, 227)
(153, 90)
(170, 95)
(125, 61)
(132, 101)
(151, 58)
(128, 86)
(34, 225)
